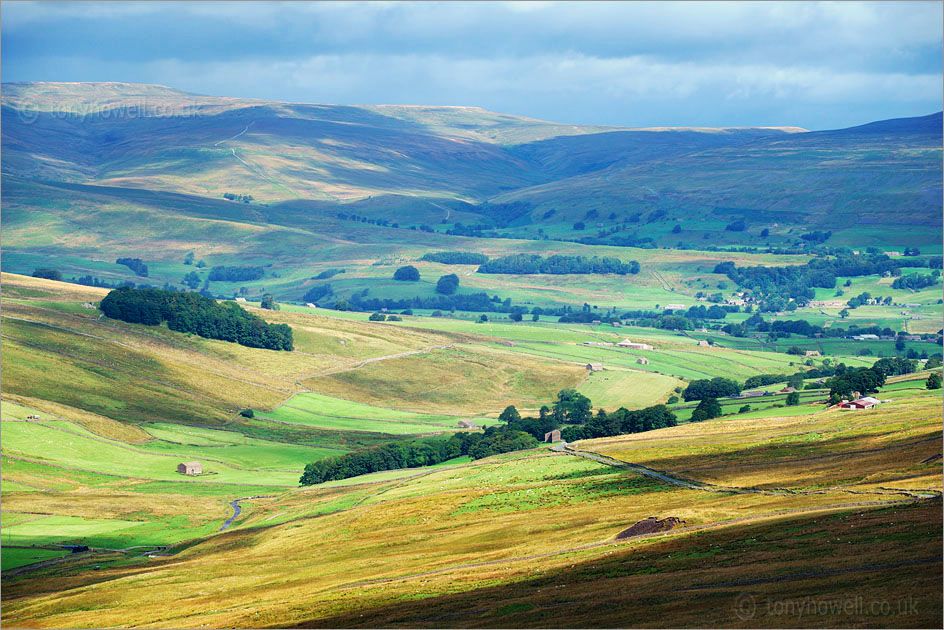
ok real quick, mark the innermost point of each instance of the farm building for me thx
(465, 424)
(642, 361)
(240, 299)
(310, 305)
(626, 343)
(594, 367)
(190, 468)
(552, 436)
(675, 307)
(753, 394)
(596, 322)
(861, 403)
(788, 390)
(615, 324)
(704, 343)
(811, 353)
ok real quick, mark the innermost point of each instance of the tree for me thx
(793, 399)
(934, 381)
(407, 274)
(844, 313)
(707, 409)
(48, 274)
(510, 414)
(744, 409)
(377, 317)
(188, 259)
(268, 302)
(201, 264)
(717, 387)
(483, 318)
(516, 317)
(672, 400)
(192, 280)
(447, 285)
(535, 317)
(247, 413)
(764, 234)
(676, 229)
(571, 407)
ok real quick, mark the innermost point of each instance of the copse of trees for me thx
(134, 264)
(620, 422)
(408, 273)
(317, 292)
(447, 285)
(455, 258)
(798, 281)
(197, 314)
(328, 273)
(915, 281)
(235, 274)
(47, 273)
(707, 409)
(717, 387)
(557, 264)
(862, 380)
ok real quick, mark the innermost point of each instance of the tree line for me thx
(557, 264)
(134, 264)
(517, 433)
(235, 274)
(197, 314)
(455, 258)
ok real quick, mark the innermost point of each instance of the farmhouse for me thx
(190, 468)
(594, 367)
(642, 361)
(552, 436)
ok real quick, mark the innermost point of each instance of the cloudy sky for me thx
(809, 64)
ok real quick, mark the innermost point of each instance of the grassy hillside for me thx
(496, 542)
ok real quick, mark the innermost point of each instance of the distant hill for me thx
(448, 168)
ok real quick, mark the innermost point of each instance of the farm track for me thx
(563, 447)
(359, 364)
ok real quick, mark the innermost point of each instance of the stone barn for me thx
(190, 468)
(465, 424)
(552, 436)
(594, 367)
(642, 361)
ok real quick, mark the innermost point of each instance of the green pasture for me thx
(47, 445)
(13, 557)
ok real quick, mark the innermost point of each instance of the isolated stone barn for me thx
(594, 367)
(642, 361)
(190, 468)
(552, 436)
(465, 424)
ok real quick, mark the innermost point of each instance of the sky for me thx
(817, 65)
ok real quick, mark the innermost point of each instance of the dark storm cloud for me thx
(809, 64)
